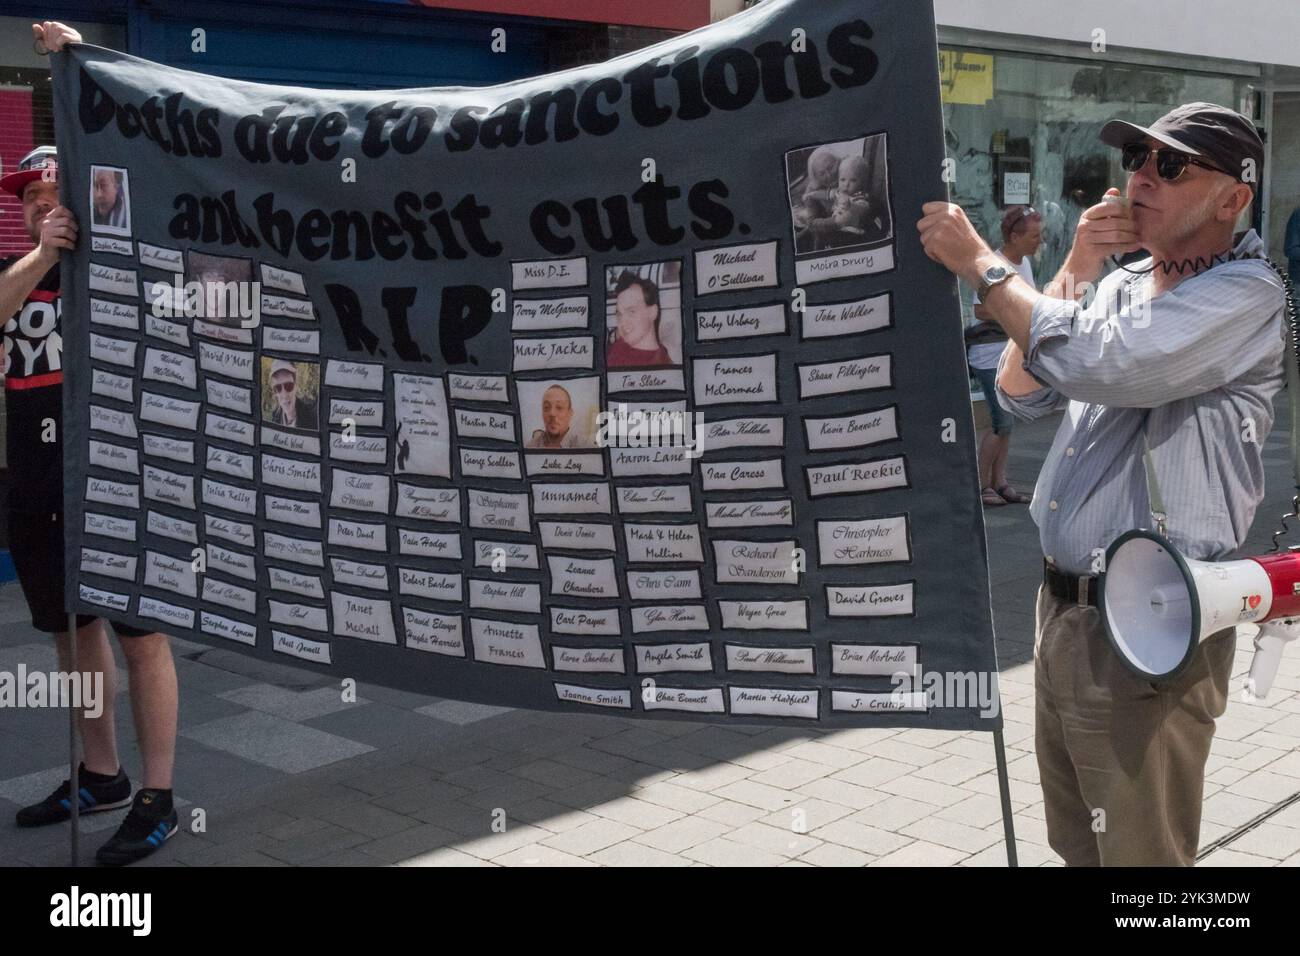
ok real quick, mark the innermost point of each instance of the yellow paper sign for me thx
(966, 78)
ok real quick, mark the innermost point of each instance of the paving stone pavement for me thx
(285, 772)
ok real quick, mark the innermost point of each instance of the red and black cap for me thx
(40, 163)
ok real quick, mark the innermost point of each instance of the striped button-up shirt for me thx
(1195, 367)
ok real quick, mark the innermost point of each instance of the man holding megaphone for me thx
(1167, 375)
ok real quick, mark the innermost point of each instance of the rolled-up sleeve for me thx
(1035, 404)
(1198, 336)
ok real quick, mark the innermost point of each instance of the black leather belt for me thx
(1077, 589)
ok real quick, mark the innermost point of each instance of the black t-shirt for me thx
(33, 366)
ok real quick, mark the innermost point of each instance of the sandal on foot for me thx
(991, 498)
(1013, 497)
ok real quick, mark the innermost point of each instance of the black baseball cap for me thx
(1216, 134)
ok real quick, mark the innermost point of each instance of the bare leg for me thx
(153, 704)
(998, 468)
(987, 454)
(95, 656)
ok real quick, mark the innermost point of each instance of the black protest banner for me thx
(625, 389)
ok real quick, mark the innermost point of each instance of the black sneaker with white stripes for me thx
(93, 798)
(151, 823)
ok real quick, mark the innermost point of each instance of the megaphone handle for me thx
(1268, 655)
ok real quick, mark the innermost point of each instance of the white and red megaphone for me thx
(1157, 606)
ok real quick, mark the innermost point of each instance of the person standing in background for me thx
(1022, 234)
(1291, 245)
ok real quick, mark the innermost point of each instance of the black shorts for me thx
(36, 543)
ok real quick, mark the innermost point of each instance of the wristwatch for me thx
(993, 275)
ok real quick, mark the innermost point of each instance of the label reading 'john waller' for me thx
(852, 431)
(874, 660)
(435, 633)
(548, 274)
(857, 477)
(166, 410)
(119, 315)
(229, 462)
(773, 702)
(723, 380)
(505, 642)
(850, 375)
(871, 541)
(771, 660)
(496, 511)
(112, 421)
(846, 318)
(545, 315)
(755, 562)
(736, 268)
(168, 487)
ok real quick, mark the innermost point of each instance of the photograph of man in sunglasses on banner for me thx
(1180, 352)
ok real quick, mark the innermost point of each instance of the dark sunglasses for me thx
(1170, 163)
(283, 387)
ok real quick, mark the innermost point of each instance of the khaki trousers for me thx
(1121, 760)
